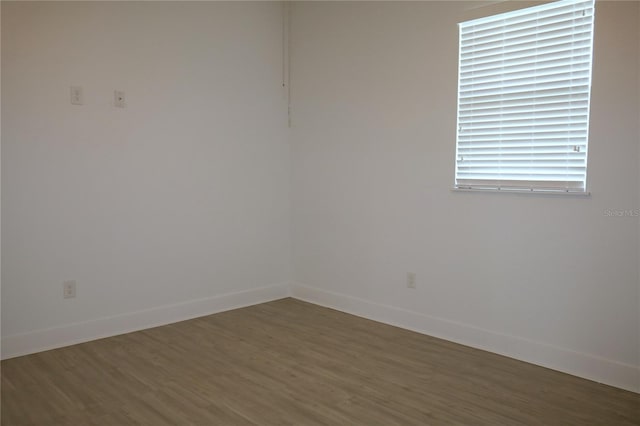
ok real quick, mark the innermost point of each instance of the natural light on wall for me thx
(524, 83)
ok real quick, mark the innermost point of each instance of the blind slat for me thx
(566, 49)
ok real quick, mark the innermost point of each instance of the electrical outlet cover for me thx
(69, 289)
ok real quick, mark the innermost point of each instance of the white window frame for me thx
(542, 56)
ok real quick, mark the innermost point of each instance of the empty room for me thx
(320, 213)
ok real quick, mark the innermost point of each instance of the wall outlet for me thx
(411, 280)
(76, 95)
(69, 289)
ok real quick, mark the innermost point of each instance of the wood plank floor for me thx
(293, 363)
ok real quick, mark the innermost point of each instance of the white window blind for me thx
(524, 85)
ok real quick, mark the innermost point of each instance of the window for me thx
(524, 83)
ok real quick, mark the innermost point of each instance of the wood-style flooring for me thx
(293, 363)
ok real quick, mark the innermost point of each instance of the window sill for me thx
(552, 192)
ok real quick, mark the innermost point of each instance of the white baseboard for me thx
(71, 334)
(624, 376)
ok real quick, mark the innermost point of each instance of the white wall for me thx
(638, 145)
(0, 191)
(183, 196)
(548, 279)
(179, 205)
